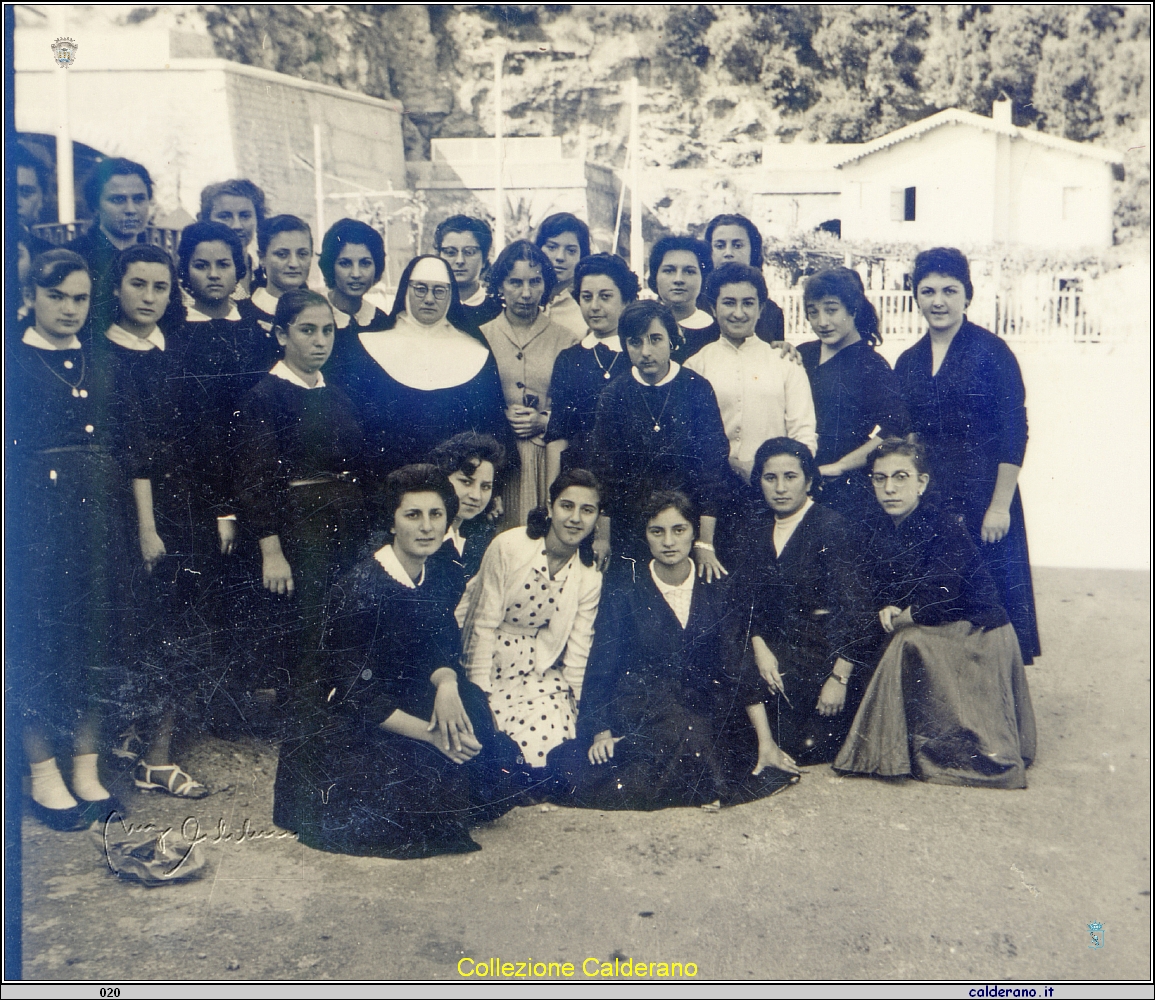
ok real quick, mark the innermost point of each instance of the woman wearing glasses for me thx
(424, 378)
(948, 702)
(464, 242)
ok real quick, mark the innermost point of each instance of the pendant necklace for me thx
(77, 392)
(658, 419)
(606, 372)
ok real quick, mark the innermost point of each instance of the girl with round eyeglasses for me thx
(949, 701)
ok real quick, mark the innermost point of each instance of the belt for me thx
(80, 449)
(324, 478)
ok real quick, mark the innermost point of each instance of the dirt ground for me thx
(834, 878)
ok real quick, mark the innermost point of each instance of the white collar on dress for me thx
(455, 536)
(33, 338)
(234, 314)
(122, 338)
(699, 319)
(670, 375)
(686, 586)
(364, 315)
(392, 565)
(282, 370)
(261, 298)
(426, 357)
(591, 340)
(477, 298)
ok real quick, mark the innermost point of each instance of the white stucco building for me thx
(961, 178)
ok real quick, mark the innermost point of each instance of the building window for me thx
(902, 204)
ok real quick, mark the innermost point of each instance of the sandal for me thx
(178, 783)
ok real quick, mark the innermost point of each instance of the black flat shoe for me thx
(101, 809)
(64, 820)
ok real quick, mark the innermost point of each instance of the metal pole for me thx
(65, 192)
(637, 243)
(318, 185)
(621, 202)
(498, 152)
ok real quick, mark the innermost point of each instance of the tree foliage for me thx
(720, 79)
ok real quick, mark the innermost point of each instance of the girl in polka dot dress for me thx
(527, 618)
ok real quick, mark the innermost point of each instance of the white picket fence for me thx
(1037, 308)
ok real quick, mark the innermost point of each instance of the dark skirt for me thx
(670, 756)
(326, 525)
(66, 546)
(798, 728)
(175, 653)
(947, 704)
(346, 790)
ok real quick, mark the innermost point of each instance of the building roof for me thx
(956, 116)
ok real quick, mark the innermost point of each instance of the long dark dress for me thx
(689, 451)
(351, 787)
(65, 506)
(972, 416)
(809, 605)
(288, 434)
(949, 701)
(403, 424)
(220, 361)
(171, 628)
(677, 697)
(854, 392)
(579, 378)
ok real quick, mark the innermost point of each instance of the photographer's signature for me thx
(190, 834)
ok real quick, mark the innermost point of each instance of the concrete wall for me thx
(193, 121)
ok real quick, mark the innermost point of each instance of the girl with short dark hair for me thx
(406, 758)
(671, 716)
(603, 286)
(65, 530)
(528, 617)
(856, 396)
(949, 701)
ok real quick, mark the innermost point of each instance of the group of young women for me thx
(526, 536)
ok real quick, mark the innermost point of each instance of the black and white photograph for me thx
(578, 493)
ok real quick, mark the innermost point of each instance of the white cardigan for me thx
(482, 610)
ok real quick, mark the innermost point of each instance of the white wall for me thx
(952, 170)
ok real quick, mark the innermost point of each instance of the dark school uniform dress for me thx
(676, 695)
(658, 437)
(580, 375)
(100, 254)
(463, 566)
(948, 702)
(354, 788)
(809, 604)
(220, 361)
(300, 456)
(972, 416)
(65, 507)
(171, 652)
(854, 392)
(368, 319)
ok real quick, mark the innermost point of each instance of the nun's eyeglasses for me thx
(440, 292)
